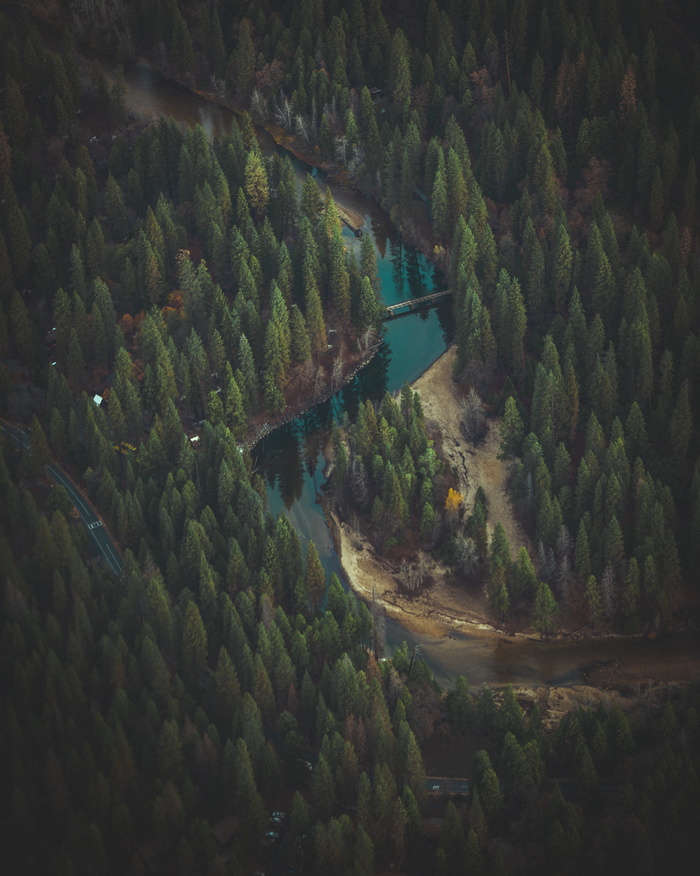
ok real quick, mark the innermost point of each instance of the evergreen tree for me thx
(439, 206)
(314, 576)
(256, 183)
(194, 641)
(242, 61)
(512, 430)
(544, 609)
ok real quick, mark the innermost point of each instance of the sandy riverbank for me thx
(441, 607)
(474, 466)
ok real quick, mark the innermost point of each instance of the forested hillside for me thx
(545, 155)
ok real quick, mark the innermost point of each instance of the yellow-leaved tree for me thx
(453, 503)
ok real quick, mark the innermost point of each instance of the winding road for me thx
(93, 523)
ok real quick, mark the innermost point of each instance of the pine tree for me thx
(194, 641)
(75, 366)
(39, 447)
(524, 579)
(249, 378)
(315, 323)
(400, 72)
(300, 342)
(114, 204)
(562, 267)
(582, 560)
(490, 793)
(242, 61)
(322, 789)
(169, 751)
(181, 46)
(250, 806)
(656, 200)
(439, 206)
(19, 242)
(680, 426)
(512, 429)
(544, 609)
(593, 598)
(456, 188)
(497, 590)
(256, 183)
(314, 576)
(368, 307)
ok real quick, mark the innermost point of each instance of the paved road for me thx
(96, 530)
(446, 785)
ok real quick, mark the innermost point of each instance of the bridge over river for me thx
(394, 310)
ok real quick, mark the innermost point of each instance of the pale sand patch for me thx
(475, 466)
(433, 612)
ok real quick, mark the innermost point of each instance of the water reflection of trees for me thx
(445, 315)
(380, 233)
(396, 254)
(278, 458)
(313, 431)
(291, 453)
(371, 381)
(418, 274)
(412, 275)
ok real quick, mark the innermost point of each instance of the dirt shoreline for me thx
(259, 430)
(441, 608)
(442, 611)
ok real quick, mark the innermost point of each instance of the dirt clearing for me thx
(474, 466)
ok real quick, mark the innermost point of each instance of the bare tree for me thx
(358, 155)
(530, 490)
(564, 577)
(314, 118)
(307, 371)
(301, 127)
(473, 417)
(337, 377)
(565, 543)
(438, 525)
(358, 482)
(218, 87)
(319, 382)
(368, 337)
(466, 555)
(412, 575)
(547, 563)
(341, 144)
(422, 566)
(258, 104)
(267, 609)
(406, 575)
(283, 114)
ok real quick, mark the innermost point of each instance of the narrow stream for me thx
(291, 459)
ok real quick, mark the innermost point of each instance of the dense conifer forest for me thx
(544, 155)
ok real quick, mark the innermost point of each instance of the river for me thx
(291, 458)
